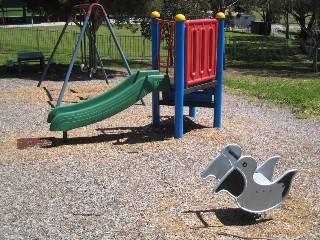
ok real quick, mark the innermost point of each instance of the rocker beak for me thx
(218, 168)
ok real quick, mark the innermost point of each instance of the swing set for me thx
(85, 11)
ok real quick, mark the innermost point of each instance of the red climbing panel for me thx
(200, 50)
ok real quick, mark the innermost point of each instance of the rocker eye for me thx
(244, 164)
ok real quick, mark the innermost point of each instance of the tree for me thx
(223, 5)
(192, 9)
(303, 11)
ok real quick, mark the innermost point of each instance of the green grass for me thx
(240, 34)
(280, 68)
(299, 93)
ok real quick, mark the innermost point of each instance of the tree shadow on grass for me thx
(133, 135)
(291, 70)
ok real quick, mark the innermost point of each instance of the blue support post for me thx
(155, 37)
(192, 112)
(179, 75)
(219, 87)
(74, 56)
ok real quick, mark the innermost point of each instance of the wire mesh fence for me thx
(38, 39)
(135, 47)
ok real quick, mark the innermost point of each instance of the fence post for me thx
(37, 37)
(144, 48)
(110, 47)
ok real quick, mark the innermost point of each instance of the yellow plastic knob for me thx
(155, 14)
(180, 17)
(220, 15)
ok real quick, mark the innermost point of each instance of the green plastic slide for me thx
(117, 99)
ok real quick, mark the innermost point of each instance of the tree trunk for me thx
(315, 56)
(287, 25)
(96, 21)
(92, 51)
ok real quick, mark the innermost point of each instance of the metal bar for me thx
(120, 51)
(118, 45)
(53, 52)
(85, 23)
(192, 111)
(65, 136)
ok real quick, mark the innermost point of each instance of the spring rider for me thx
(250, 185)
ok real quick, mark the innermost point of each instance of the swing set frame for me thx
(86, 10)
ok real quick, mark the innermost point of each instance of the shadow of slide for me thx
(133, 135)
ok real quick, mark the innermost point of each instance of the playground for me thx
(127, 163)
(121, 179)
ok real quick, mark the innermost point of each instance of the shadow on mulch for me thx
(229, 217)
(55, 73)
(130, 135)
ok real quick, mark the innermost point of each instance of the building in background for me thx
(239, 20)
(13, 11)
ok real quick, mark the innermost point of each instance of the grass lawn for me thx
(291, 87)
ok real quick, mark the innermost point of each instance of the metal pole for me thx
(52, 54)
(118, 45)
(85, 23)
(155, 50)
(219, 87)
(179, 75)
(192, 112)
(120, 51)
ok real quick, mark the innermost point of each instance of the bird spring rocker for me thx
(250, 185)
(198, 67)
